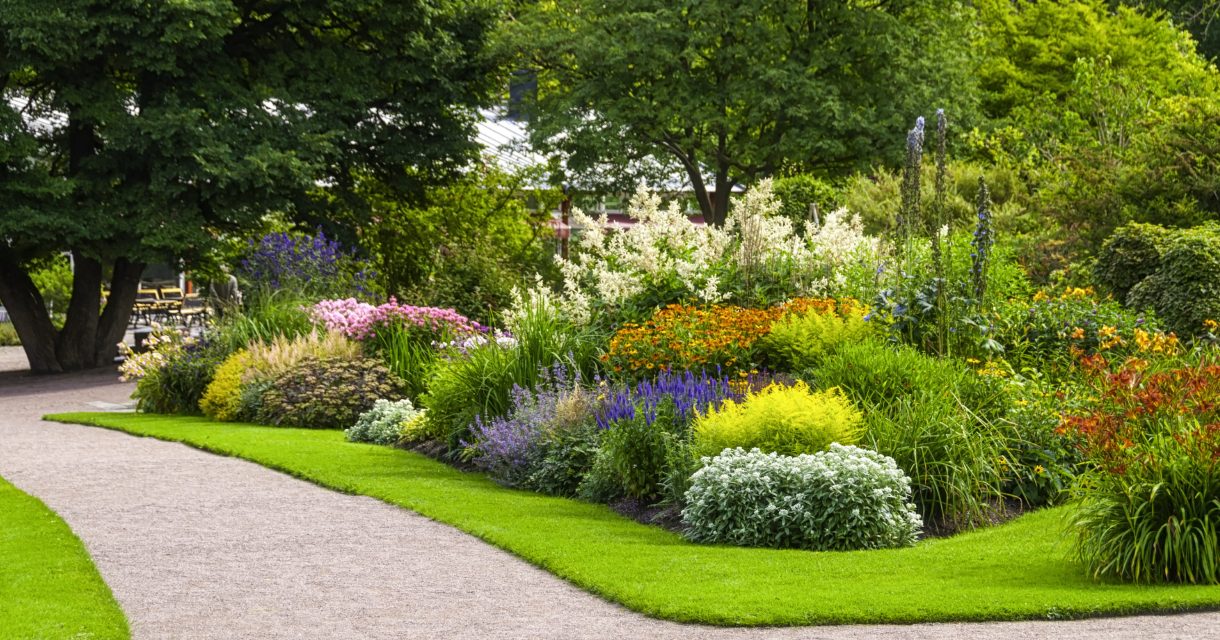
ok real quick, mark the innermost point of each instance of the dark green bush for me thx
(1185, 291)
(564, 459)
(327, 394)
(1131, 254)
(179, 383)
(798, 193)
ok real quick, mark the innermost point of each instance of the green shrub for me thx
(564, 458)
(783, 419)
(798, 193)
(635, 451)
(841, 499)
(265, 318)
(1131, 254)
(221, 400)
(477, 382)
(941, 422)
(327, 394)
(798, 341)
(1185, 291)
(8, 335)
(383, 423)
(178, 384)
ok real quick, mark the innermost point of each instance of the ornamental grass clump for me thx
(384, 423)
(842, 499)
(784, 419)
(1148, 508)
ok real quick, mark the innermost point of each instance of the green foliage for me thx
(564, 458)
(8, 335)
(177, 385)
(1185, 291)
(841, 499)
(327, 394)
(53, 278)
(221, 399)
(467, 244)
(876, 196)
(801, 192)
(1109, 115)
(799, 340)
(167, 140)
(941, 422)
(264, 318)
(742, 89)
(1131, 254)
(384, 422)
(789, 420)
(633, 451)
(463, 386)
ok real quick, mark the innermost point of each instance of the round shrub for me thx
(784, 419)
(798, 193)
(383, 424)
(177, 384)
(327, 394)
(1185, 291)
(1131, 254)
(841, 499)
(222, 399)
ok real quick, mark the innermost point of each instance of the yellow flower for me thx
(1077, 333)
(1041, 296)
(1039, 469)
(1211, 325)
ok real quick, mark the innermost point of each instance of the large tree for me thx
(138, 131)
(734, 90)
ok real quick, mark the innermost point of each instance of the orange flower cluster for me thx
(1132, 404)
(683, 337)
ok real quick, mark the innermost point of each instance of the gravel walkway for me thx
(200, 546)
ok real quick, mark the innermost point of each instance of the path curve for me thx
(200, 546)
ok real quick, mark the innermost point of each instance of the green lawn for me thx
(49, 587)
(1014, 571)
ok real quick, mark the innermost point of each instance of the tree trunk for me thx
(28, 312)
(74, 346)
(87, 340)
(124, 284)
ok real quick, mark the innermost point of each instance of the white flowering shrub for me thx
(844, 498)
(383, 423)
(665, 258)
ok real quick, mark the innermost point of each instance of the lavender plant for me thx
(507, 447)
(311, 266)
(984, 239)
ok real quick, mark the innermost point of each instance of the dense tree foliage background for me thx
(138, 131)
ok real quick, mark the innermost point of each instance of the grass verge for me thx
(1010, 572)
(49, 587)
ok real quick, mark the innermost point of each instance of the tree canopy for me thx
(143, 131)
(732, 91)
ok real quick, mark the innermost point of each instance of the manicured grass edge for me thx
(49, 586)
(630, 585)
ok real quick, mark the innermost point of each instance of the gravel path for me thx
(200, 546)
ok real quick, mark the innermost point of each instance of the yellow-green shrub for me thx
(788, 420)
(222, 398)
(800, 339)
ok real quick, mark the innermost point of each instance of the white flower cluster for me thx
(383, 423)
(844, 498)
(666, 255)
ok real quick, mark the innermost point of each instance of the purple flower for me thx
(688, 393)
